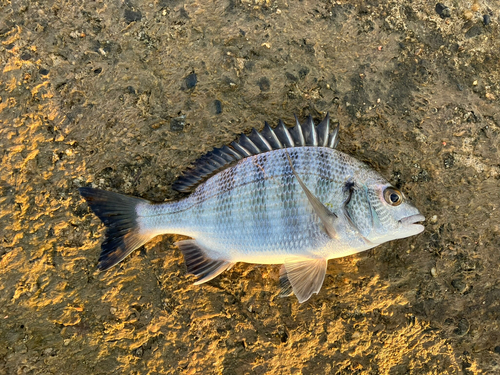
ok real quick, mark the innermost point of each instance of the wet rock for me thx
(131, 15)
(264, 84)
(443, 10)
(190, 81)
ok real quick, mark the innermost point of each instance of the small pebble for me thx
(264, 84)
(25, 56)
(468, 15)
(433, 219)
(474, 31)
(434, 272)
(486, 19)
(459, 285)
(132, 16)
(462, 328)
(191, 80)
(218, 107)
(443, 10)
(177, 123)
(291, 77)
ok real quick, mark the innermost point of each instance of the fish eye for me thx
(393, 196)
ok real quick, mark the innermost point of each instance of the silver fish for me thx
(282, 196)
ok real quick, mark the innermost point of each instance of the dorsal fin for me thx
(267, 140)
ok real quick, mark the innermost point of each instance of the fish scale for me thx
(252, 235)
(282, 196)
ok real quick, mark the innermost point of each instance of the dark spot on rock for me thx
(25, 56)
(443, 10)
(217, 107)
(303, 72)
(249, 65)
(97, 71)
(264, 84)
(486, 19)
(21, 326)
(291, 77)
(242, 32)
(44, 71)
(9, 46)
(106, 47)
(177, 123)
(284, 337)
(423, 175)
(132, 15)
(474, 31)
(497, 349)
(462, 328)
(183, 13)
(190, 81)
(449, 160)
(130, 90)
(459, 285)
(229, 82)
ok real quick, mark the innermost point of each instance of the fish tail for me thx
(123, 231)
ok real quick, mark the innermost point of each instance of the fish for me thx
(279, 196)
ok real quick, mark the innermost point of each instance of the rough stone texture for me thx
(88, 93)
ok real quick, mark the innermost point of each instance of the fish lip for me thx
(413, 219)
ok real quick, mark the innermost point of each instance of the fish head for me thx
(388, 213)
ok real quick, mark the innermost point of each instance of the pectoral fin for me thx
(326, 216)
(303, 276)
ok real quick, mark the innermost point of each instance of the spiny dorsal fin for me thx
(267, 140)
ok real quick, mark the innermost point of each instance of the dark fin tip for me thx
(199, 264)
(118, 214)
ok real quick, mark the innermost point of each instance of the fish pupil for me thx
(394, 198)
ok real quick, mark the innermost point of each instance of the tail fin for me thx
(119, 215)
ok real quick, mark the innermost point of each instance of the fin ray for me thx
(256, 143)
(199, 264)
(118, 214)
(305, 276)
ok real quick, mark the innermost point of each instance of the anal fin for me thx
(199, 264)
(302, 276)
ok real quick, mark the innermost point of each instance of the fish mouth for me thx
(413, 219)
